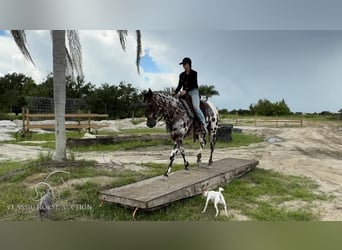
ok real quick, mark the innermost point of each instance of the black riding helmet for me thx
(186, 60)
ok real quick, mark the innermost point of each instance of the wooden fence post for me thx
(27, 117)
(23, 118)
(89, 121)
(301, 120)
(236, 118)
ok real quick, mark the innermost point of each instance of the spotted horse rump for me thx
(180, 122)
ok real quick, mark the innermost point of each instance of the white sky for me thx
(303, 67)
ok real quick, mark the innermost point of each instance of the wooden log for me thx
(72, 142)
(67, 126)
(88, 115)
(156, 192)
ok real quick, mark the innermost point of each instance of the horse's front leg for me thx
(172, 158)
(186, 163)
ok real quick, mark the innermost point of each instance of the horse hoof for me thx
(186, 166)
(165, 177)
(210, 163)
(199, 156)
(187, 171)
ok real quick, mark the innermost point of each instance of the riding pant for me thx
(196, 104)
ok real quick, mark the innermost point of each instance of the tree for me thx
(207, 91)
(59, 91)
(65, 61)
(280, 108)
(13, 88)
(45, 89)
(118, 101)
(265, 107)
(77, 88)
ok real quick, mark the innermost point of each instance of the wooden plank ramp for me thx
(159, 191)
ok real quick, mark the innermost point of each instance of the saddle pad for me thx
(188, 109)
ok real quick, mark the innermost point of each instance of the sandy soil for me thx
(314, 150)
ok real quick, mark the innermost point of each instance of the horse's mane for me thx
(164, 94)
(166, 98)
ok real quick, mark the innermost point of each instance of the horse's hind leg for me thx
(212, 147)
(202, 144)
(172, 158)
(212, 142)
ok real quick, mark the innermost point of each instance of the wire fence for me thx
(45, 105)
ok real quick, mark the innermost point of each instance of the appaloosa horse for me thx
(180, 121)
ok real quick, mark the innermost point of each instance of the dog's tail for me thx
(220, 189)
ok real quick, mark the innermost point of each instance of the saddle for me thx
(205, 108)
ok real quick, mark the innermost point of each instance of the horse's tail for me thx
(213, 109)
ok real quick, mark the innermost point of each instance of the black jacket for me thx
(188, 82)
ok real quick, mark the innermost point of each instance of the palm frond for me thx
(19, 37)
(75, 51)
(69, 65)
(123, 37)
(139, 49)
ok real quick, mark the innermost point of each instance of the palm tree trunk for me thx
(59, 91)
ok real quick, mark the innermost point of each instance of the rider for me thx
(188, 81)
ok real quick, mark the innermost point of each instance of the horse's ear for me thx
(149, 93)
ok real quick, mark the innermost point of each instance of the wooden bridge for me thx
(156, 192)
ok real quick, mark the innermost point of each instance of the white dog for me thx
(216, 198)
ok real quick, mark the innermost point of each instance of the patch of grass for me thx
(259, 195)
(9, 116)
(16, 202)
(49, 136)
(65, 194)
(247, 194)
(142, 131)
(129, 145)
(45, 157)
(239, 139)
(136, 121)
(47, 141)
(243, 194)
(269, 212)
(9, 167)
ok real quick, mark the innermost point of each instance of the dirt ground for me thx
(314, 150)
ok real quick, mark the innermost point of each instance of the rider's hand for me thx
(183, 92)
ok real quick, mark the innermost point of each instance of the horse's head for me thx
(152, 109)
